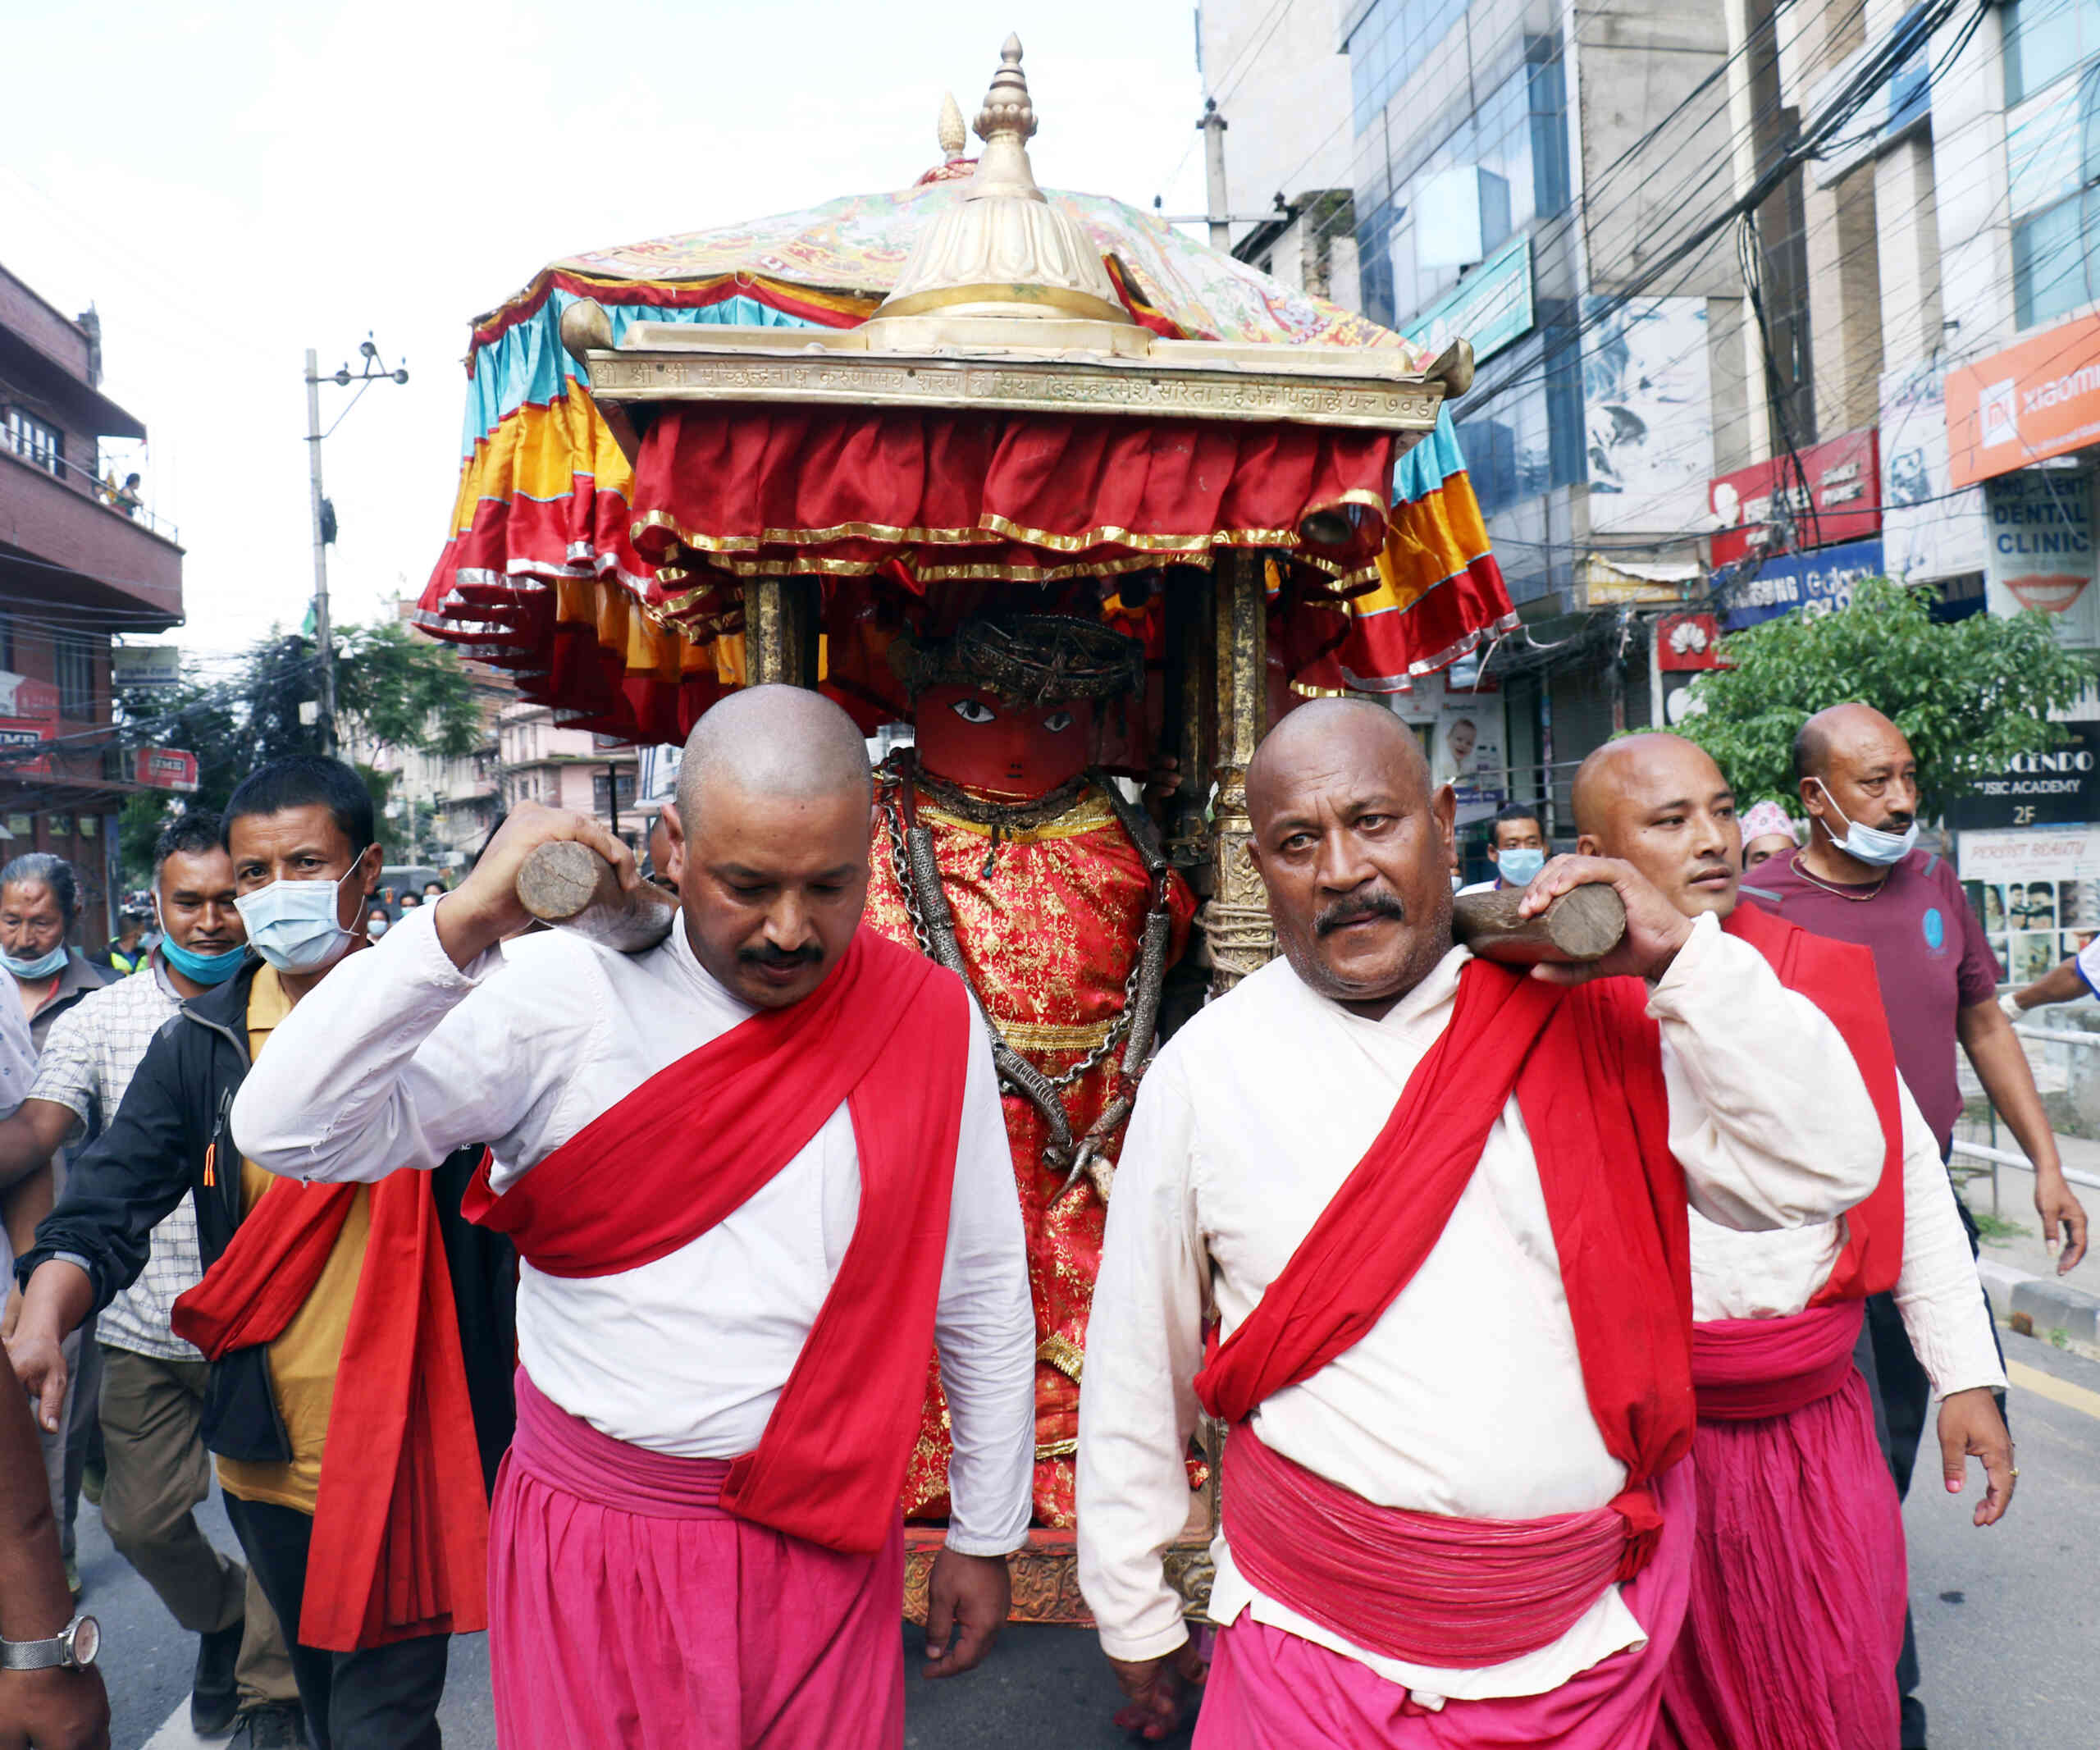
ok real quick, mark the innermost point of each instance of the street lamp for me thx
(374, 370)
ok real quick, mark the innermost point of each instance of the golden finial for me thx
(951, 133)
(1007, 108)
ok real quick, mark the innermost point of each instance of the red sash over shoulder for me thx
(887, 1034)
(400, 1525)
(1839, 978)
(1586, 1064)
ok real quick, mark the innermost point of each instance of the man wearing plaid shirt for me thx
(153, 1382)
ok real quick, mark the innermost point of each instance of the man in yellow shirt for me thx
(356, 1415)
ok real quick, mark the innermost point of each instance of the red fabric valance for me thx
(734, 492)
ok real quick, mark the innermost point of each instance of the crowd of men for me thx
(1574, 1327)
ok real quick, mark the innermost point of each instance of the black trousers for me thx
(376, 1698)
(1902, 1394)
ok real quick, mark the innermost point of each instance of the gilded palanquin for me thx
(771, 453)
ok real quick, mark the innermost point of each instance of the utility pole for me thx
(1213, 125)
(324, 636)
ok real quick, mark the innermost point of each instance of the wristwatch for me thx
(73, 1648)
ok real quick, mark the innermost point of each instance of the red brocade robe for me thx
(1049, 936)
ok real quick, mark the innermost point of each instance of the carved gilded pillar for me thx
(777, 629)
(1237, 919)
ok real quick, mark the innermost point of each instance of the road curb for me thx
(2042, 1306)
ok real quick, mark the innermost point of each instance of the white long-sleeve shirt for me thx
(1738, 1275)
(399, 1057)
(1466, 1397)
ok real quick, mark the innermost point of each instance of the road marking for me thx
(2056, 1391)
(175, 1732)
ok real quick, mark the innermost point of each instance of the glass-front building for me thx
(1465, 225)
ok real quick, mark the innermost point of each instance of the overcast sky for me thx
(231, 183)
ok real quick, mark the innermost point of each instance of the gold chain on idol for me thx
(918, 875)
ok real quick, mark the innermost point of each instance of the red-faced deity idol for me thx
(1006, 854)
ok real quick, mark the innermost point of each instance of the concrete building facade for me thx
(76, 570)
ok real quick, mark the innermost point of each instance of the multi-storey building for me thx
(77, 565)
(542, 761)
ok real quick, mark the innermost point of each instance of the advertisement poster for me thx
(1927, 529)
(2037, 890)
(2041, 551)
(1466, 753)
(1647, 406)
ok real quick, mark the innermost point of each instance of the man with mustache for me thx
(1798, 1601)
(1438, 1207)
(752, 1173)
(1861, 878)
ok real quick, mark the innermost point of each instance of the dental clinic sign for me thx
(2040, 552)
(2030, 402)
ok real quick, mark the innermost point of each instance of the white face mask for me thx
(296, 926)
(1871, 844)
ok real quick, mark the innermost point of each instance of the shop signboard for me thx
(2038, 399)
(28, 716)
(145, 665)
(167, 768)
(2060, 787)
(1688, 641)
(1834, 496)
(1491, 307)
(2041, 551)
(2037, 890)
(1815, 582)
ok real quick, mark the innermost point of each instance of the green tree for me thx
(1968, 696)
(399, 690)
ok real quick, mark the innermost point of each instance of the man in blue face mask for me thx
(1861, 878)
(1516, 845)
(153, 1382)
(302, 1294)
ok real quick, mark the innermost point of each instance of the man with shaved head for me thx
(1437, 1207)
(753, 1174)
(1798, 1581)
(1861, 878)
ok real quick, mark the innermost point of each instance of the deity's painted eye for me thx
(973, 711)
(1057, 722)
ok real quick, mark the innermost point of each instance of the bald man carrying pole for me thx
(1798, 1573)
(1438, 1206)
(753, 1174)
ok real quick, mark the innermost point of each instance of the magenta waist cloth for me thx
(1271, 1690)
(1423, 1588)
(628, 1611)
(565, 1452)
(1745, 1369)
(1796, 1616)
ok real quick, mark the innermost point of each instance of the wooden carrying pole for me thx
(570, 885)
(1584, 923)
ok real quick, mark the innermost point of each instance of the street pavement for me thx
(2008, 1619)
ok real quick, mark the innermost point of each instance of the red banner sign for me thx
(167, 768)
(1835, 495)
(1688, 641)
(2039, 399)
